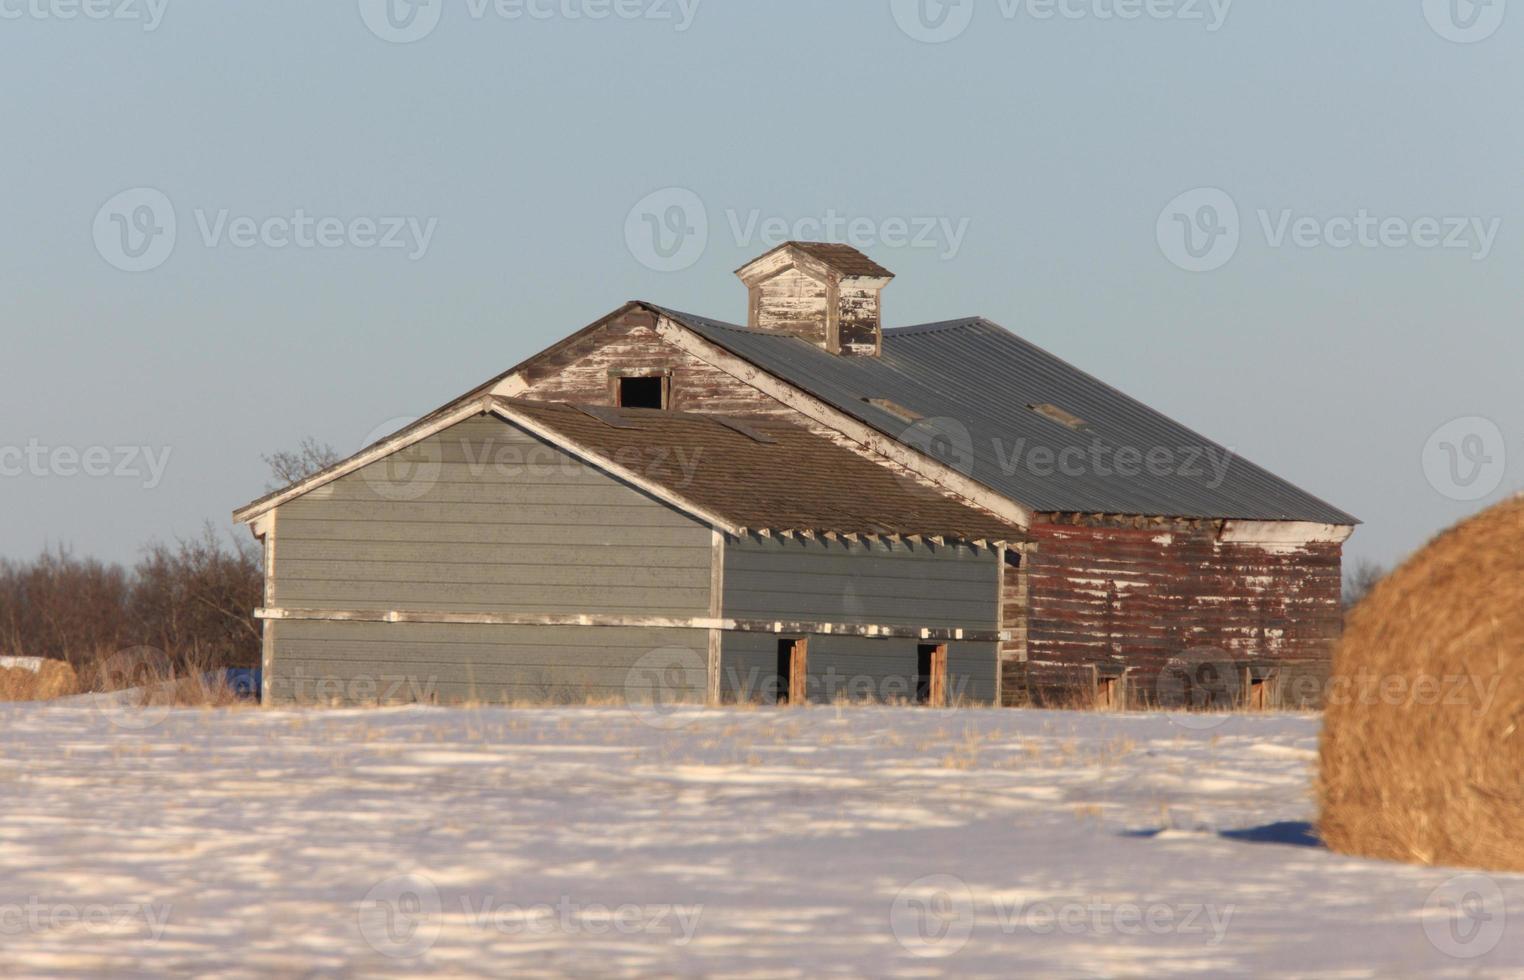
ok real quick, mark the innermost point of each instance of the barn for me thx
(806, 507)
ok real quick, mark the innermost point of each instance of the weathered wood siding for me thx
(483, 518)
(865, 583)
(580, 372)
(793, 302)
(858, 319)
(1137, 598)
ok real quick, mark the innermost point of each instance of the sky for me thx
(1294, 226)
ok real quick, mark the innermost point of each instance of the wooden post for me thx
(799, 673)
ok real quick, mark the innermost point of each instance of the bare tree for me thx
(1359, 580)
(293, 466)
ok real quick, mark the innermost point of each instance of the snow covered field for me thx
(592, 842)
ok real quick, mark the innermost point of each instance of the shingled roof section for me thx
(1010, 397)
(764, 474)
(843, 258)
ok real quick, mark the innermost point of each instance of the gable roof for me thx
(842, 258)
(990, 395)
(740, 475)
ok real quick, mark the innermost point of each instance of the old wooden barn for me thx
(807, 507)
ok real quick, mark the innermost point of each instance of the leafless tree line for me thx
(193, 600)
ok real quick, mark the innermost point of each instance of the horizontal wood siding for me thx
(364, 663)
(1139, 598)
(883, 583)
(491, 520)
(481, 518)
(889, 583)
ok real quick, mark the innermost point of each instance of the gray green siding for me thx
(878, 583)
(361, 663)
(482, 518)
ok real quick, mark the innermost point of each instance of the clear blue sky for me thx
(521, 144)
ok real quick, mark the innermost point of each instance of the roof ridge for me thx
(938, 326)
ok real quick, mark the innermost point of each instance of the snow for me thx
(606, 842)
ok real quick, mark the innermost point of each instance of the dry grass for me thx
(1422, 741)
(161, 681)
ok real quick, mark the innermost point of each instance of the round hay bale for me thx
(52, 679)
(1423, 735)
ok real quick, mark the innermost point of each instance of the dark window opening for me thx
(642, 392)
(793, 672)
(931, 674)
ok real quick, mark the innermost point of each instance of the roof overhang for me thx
(470, 408)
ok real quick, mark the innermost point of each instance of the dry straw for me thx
(1423, 752)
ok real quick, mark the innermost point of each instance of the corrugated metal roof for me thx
(987, 398)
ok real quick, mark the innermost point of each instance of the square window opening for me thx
(643, 392)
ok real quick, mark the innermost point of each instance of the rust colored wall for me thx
(1138, 597)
